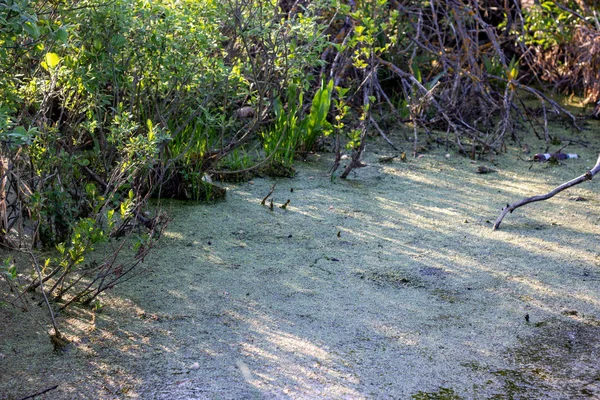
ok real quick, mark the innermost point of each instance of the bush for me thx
(106, 103)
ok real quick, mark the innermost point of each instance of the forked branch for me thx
(511, 207)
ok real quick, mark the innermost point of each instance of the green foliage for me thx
(547, 25)
(283, 138)
(8, 269)
(316, 123)
(9, 274)
(293, 132)
(103, 103)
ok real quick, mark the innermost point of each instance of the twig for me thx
(39, 272)
(355, 162)
(262, 203)
(284, 206)
(382, 133)
(32, 396)
(510, 208)
(147, 222)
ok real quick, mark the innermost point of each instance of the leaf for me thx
(416, 70)
(434, 80)
(32, 29)
(341, 91)
(12, 272)
(61, 34)
(150, 129)
(90, 188)
(61, 248)
(52, 59)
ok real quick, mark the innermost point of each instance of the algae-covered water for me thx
(391, 284)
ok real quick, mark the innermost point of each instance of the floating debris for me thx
(555, 156)
(578, 198)
(386, 159)
(482, 169)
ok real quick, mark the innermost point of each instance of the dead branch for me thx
(41, 392)
(57, 333)
(376, 125)
(355, 161)
(511, 207)
(262, 203)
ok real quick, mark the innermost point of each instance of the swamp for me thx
(299, 199)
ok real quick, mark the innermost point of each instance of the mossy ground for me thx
(391, 284)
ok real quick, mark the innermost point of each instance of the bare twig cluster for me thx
(452, 66)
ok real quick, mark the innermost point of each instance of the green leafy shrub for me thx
(109, 102)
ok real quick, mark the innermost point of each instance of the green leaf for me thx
(61, 34)
(90, 188)
(61, 248)
(32, 29)
(52, 59)
(150, 129)
(416, 70)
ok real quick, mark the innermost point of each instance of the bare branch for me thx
(511, 207)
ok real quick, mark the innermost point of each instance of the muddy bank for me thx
(389, 285)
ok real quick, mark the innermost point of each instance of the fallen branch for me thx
(511, 207)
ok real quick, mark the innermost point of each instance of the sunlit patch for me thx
(173, 235)
(396, 335)
(284, 357)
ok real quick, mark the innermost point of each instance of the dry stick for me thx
(33, 396)
(425, 94)
(413, 107)
(338, 154)
(511, 207)
(334, 73)
(382, 133)
(262, 203)
(546, 134)
(355, 162)
(3, 198)
(39, 272)
(555, 106)
(526, 116)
